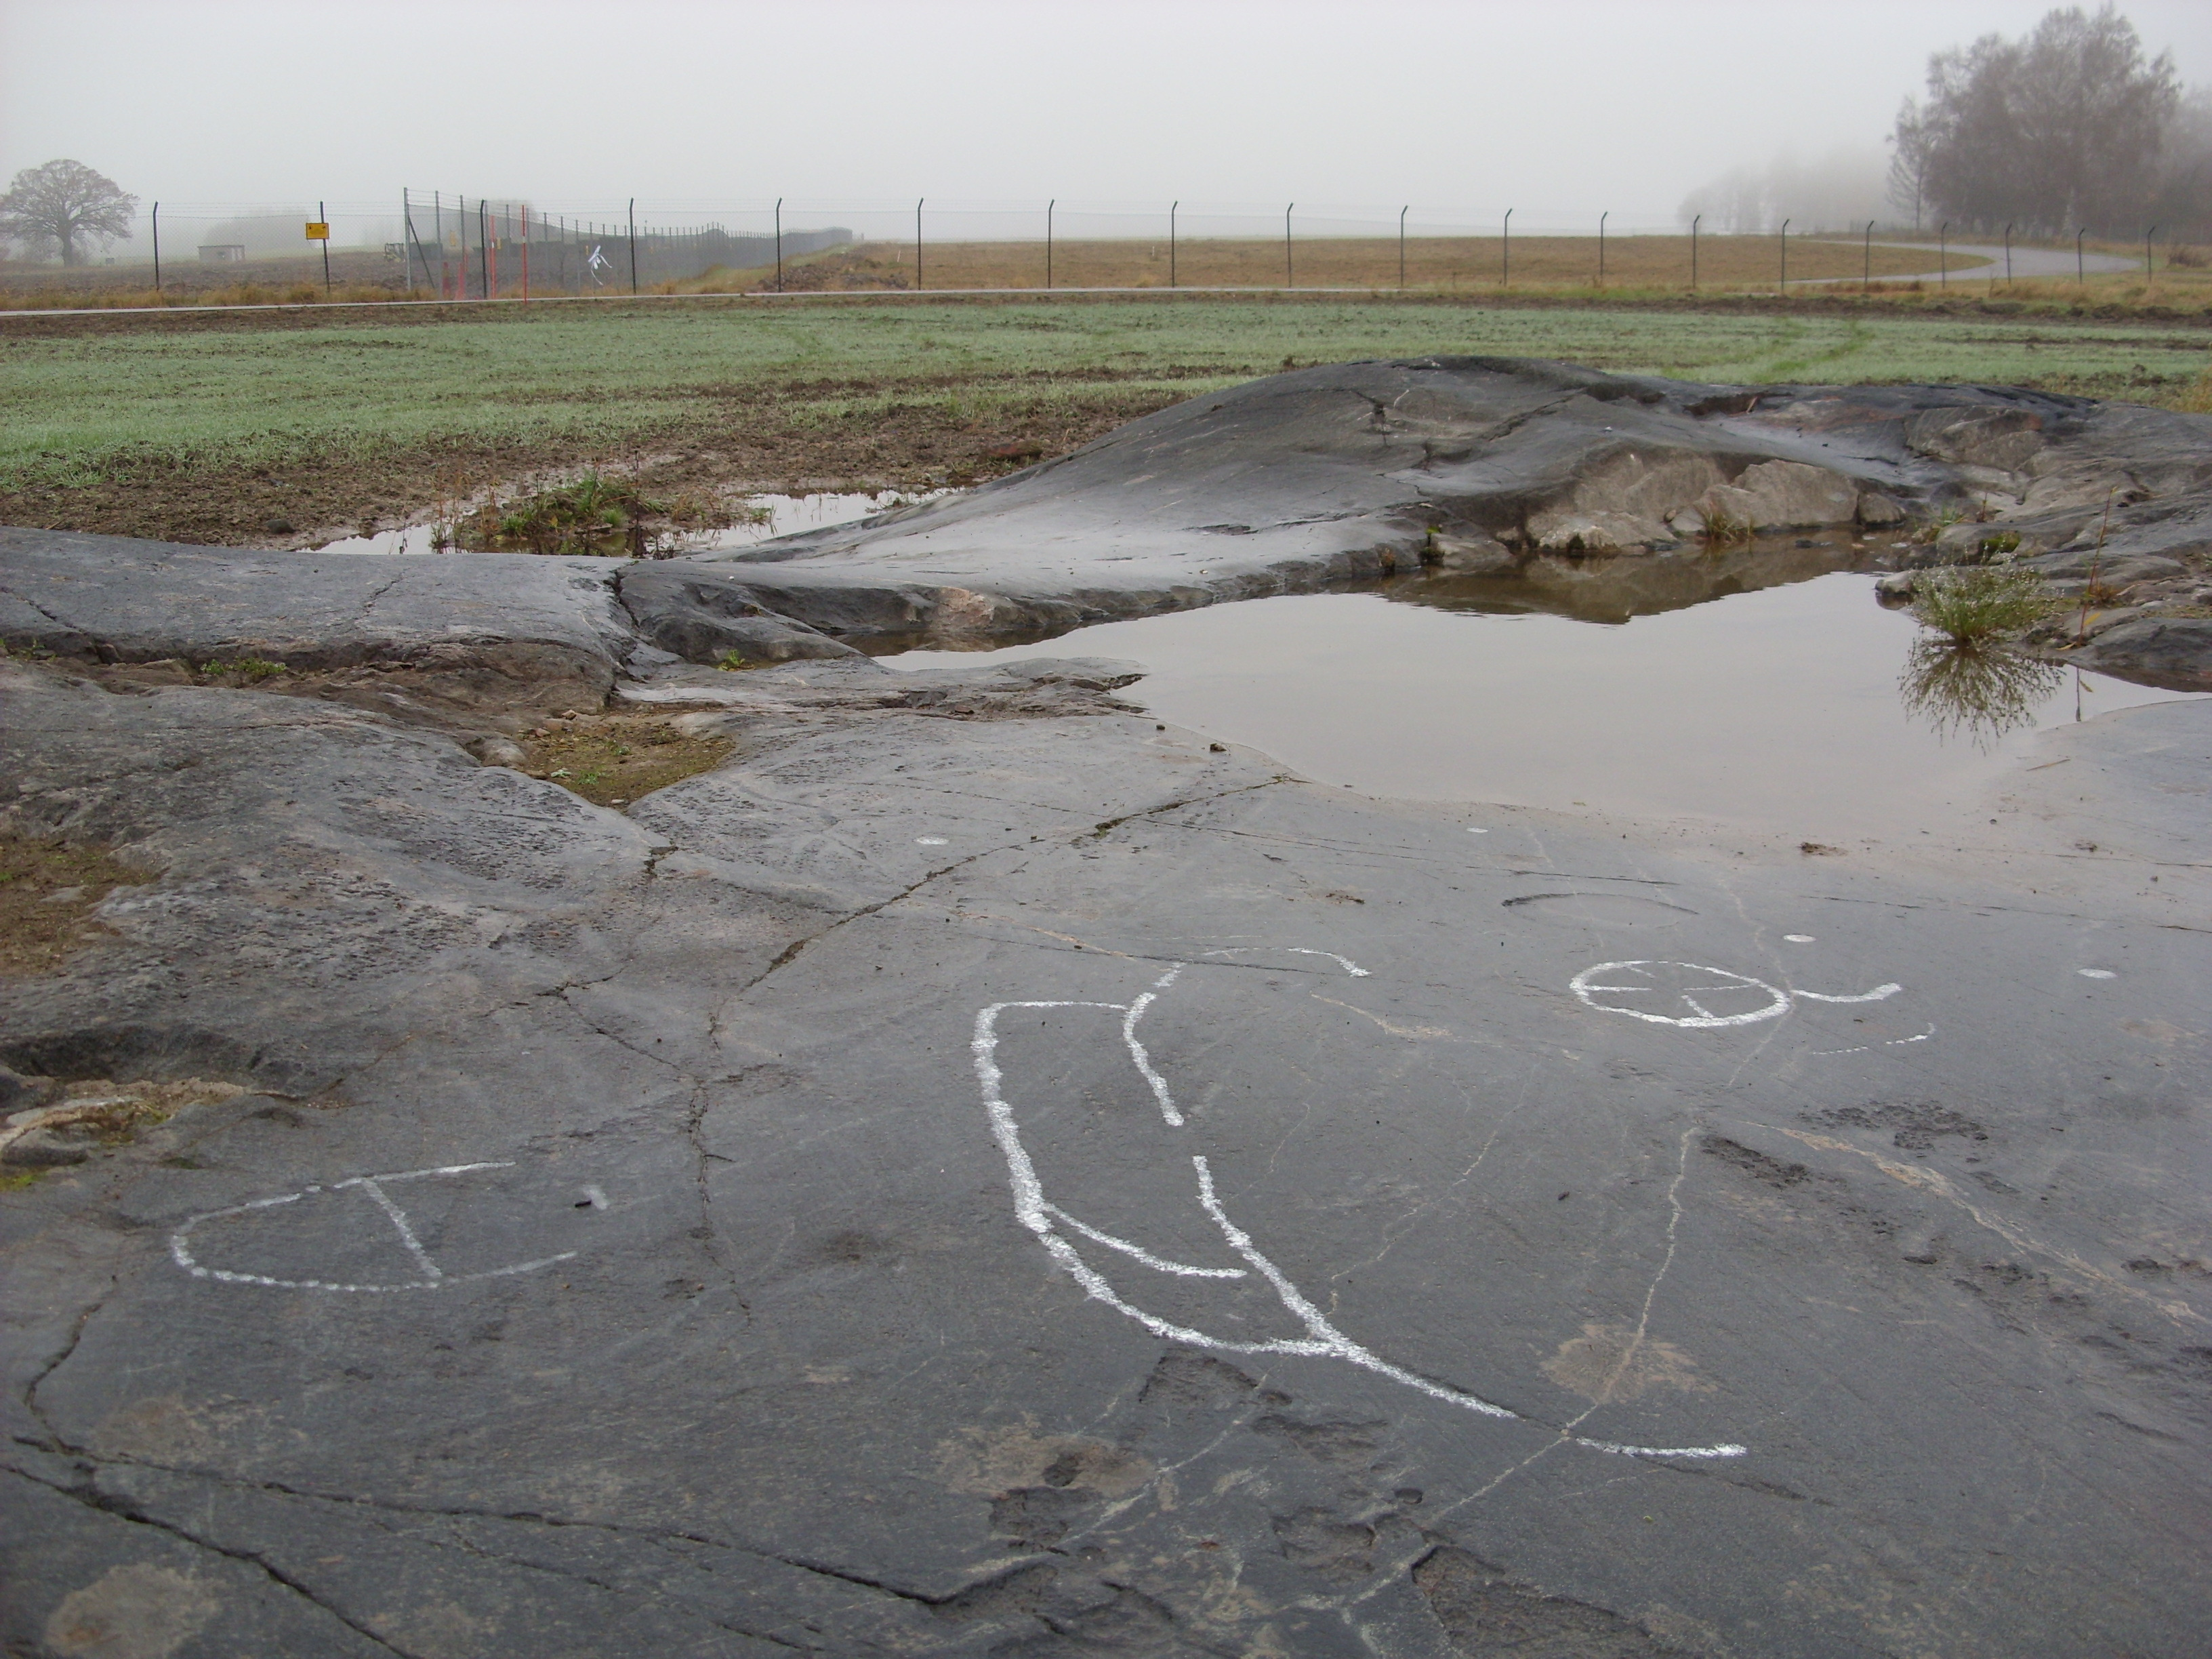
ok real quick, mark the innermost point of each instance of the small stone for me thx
(20, 1093)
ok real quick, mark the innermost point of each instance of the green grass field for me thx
(386, 402)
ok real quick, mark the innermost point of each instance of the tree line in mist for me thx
(2070, 127)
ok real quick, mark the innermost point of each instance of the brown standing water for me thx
(1760, 688)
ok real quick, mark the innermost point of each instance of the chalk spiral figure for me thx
(1051, 1225)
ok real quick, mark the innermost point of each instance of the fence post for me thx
(1866, 275)
(1506, 253)
(157, 247)
(2008, 224)
(407, 230)
(484, 244)
(918, 201)
(1694, 223)
(1782, 286)
(1601, 218)
(779, 245)
(1402, 212)
(1287, 282)
(2080, 269)
(1944, 254)
(322, 214)
(1172, 206)
(633, 245)
(2148, 234)
(525, 254)
(1049, 207)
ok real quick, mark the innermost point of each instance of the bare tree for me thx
(62, 205)
(2062, 128)
(1908, 165)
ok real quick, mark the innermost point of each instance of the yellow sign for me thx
(318, 230)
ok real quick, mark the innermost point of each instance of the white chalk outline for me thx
(1322, 1339)
(1778, 1003)
(434, 1277)
(1344, 963)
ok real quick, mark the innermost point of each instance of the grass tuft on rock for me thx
(1976, 605)
(612, 760)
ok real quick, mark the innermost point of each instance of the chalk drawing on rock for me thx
(1659, 992)
(431, 1276)
(1057, 1231)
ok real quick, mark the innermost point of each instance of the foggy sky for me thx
(1558, 108)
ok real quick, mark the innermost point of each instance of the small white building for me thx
(222, 253)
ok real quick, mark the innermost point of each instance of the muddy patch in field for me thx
(793, 440)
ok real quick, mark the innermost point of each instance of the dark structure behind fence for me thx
(469, 248)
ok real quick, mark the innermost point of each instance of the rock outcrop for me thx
(979, 1171)
(1297, 481)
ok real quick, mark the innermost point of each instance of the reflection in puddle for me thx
(1618, 590)
(1778, 707)
(768, 516)
(1980, 692)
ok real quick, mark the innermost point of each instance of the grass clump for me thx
(250, 670)
(1725, 529)
(612, 760)
(595, 514)
(1973, 605)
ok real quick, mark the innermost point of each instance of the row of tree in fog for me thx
(2072, 126)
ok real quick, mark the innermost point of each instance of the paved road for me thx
(2026, 262)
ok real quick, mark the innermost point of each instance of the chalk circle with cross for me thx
(428, 1275)
(1691, 995)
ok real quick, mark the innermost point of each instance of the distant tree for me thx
(2184, 204)
(2062, 128)
(62, 205)
(1908, 162)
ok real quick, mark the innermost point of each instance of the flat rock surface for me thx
(980, 1171)
(969, 1176)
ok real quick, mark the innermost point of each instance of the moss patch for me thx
(611, 760)
(47, 888)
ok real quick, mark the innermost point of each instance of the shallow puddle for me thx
(780, 515)
(1778, 708)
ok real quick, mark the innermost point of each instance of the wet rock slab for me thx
(979, 1171)
(1422, 1220)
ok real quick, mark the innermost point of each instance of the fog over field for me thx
(1559, 111)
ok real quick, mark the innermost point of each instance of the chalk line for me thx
(1322, 1339)
(434, 1277)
